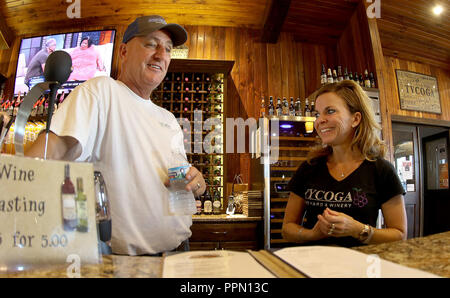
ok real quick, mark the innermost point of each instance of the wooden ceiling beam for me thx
(275, 20)
(6, 35)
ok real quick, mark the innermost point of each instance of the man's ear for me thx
(123, 50)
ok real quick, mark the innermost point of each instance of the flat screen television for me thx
(91, 52)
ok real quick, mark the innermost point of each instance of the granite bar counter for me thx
(431, 254)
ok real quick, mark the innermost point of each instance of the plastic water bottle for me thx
(181, 201)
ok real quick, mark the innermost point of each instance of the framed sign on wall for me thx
(418, 92)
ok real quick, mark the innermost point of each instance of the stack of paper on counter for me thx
(213, 264)
(328, 262)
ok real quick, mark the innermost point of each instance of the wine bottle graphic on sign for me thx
(69, 212)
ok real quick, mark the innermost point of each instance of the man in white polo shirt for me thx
(130, 140)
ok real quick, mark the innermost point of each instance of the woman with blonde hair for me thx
(336, 194)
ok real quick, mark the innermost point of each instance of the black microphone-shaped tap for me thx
(57, 70)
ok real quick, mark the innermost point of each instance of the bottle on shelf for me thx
(292, 107)
(298, 108)
(81, 203)
(285, 107)
(335, 78)
(350, 76)
(346, 76)
(372, 81)
(340, 78)
(329, 76)
(198, 205)
(262, 110)
(69, 212)
(271, 108)
(207, 204)
(307, 109)
(361, 80)
(356, 77)
(279, 110)
(217, 204)
(313, 112)
(323, 76)
(366, 79)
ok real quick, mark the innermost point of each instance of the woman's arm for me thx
(394, 214)
(293, 214)
(394, 217)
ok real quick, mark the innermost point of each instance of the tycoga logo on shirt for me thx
(323, 198)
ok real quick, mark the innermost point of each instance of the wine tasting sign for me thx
(40, 210)
(418, 92)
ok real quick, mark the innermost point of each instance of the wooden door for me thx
(406, 156)
(436, 157)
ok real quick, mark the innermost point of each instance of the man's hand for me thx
(196, 183)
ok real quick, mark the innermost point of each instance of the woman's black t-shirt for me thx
(359, 195)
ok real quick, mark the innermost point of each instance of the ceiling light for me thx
(437, 10)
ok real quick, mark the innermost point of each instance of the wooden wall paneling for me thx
(300, 70)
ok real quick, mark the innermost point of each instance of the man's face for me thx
(51, 47)
(147, 58)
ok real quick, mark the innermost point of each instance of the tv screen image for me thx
(91, 53)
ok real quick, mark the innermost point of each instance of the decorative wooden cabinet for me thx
(227, 234)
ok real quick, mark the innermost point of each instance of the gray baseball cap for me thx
(148, 24)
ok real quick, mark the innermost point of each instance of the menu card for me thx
(340, 262)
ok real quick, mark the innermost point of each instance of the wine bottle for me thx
(271, 108)
(298, 108)
(307, 109)
(285, 107)
(356, 77)
(323, 76)
(279, 110)
(361, 80)
(372, 81)
(292, 108)
(340, 78)
(69, 212)
(81, 203)
(366, 79)
(217, 205)
(198, 204)
(262, 110)
(346, 76)
(329, 76)
(335, 78)
(313, 111)
(207, 204)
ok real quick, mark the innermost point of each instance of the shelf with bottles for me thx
(365, 79)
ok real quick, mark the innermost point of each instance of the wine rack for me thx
(196, 98)
(294, 143)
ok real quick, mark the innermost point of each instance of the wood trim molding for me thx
(423, 121)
